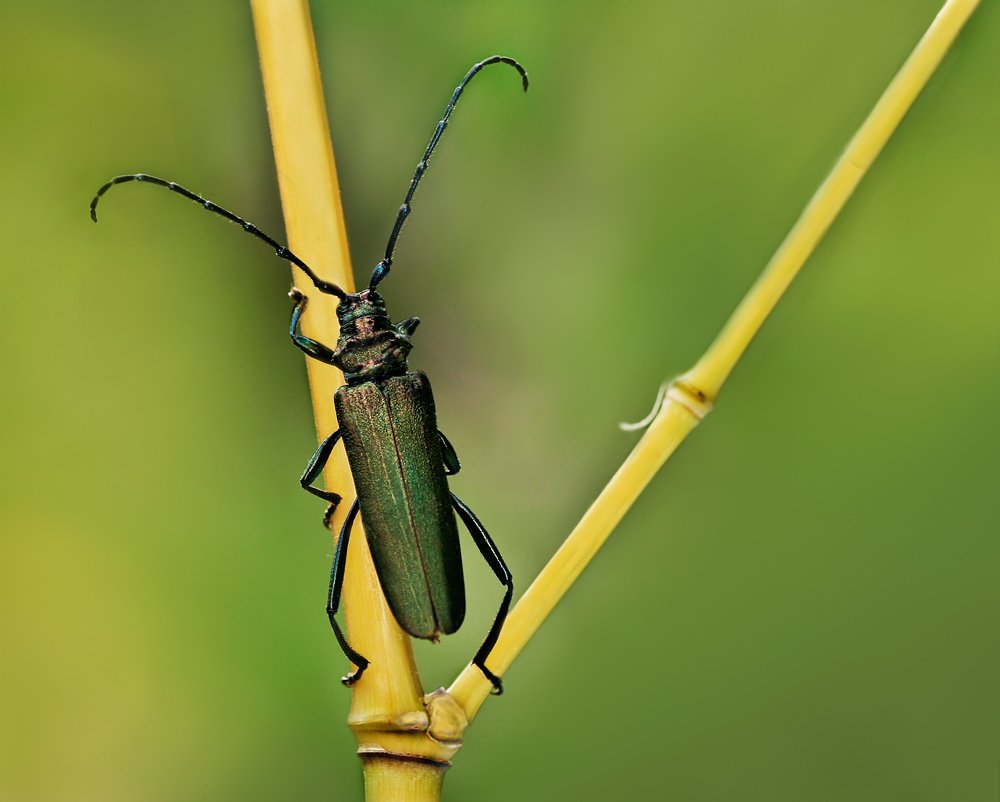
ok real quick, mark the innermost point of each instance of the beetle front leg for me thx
(313, 470)
(492, 556)
(311, 348)
(333, 597)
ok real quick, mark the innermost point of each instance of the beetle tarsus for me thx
(493, 678)
(354, 676)
(328, 515)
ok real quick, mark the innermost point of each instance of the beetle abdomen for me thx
(390, 433)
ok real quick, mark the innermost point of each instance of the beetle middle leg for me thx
(313, 470)
(492, 556)
(333, 597)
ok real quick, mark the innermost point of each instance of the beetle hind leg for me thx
(333, 597)
(495, 561)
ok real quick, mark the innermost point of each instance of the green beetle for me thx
(399, 459)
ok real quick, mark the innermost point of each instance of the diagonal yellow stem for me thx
(693, 395)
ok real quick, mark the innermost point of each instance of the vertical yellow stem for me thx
(387, 703)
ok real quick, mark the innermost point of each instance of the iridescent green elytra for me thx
(392, 442)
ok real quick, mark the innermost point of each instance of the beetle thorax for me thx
(370, 347)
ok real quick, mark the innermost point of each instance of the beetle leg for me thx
(492, 556)
(310, 347)
(333, 597)
(451, 463)
(314, 468)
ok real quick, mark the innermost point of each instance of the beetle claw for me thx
(493, 678)
(354, 676)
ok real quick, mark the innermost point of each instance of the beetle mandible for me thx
(398, 457)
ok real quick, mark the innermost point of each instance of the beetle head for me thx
(357, 305)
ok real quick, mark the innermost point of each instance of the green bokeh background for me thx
(803, 604)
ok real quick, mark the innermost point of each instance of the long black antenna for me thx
(250, 228)
(382, 268)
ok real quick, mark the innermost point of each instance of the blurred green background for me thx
(804, 603)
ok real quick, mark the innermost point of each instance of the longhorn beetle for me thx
(398, 456)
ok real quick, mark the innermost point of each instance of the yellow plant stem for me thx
(693, 395)
(388, 714)
(402, 780)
